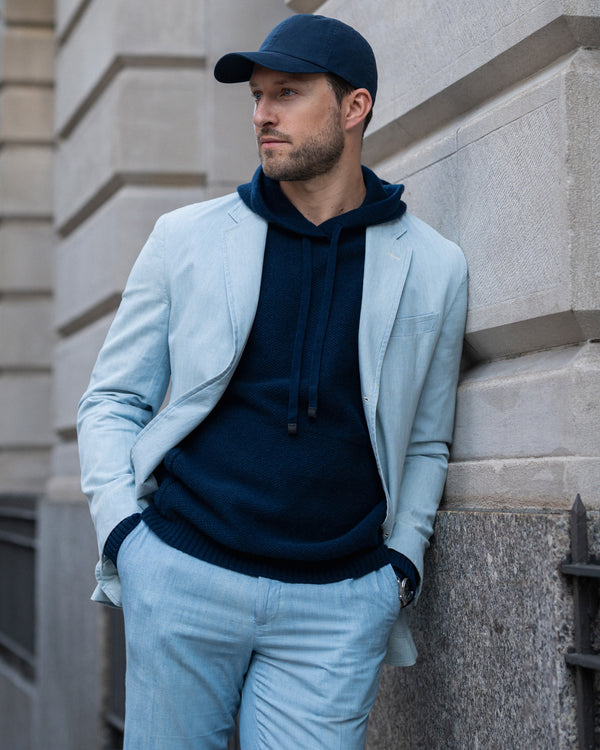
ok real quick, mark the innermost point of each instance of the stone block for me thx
(92, 264)
(24, 470)
(112, 34)
(71, 631)
(526, 431)
(492, 628)
(146, 128)
(27, 55)
(543, 404)
(26, 410)
(493, 47)
(29, 11)
(26, 332)
(26, 114)
(17, 700)
(537, 482)
(74, 359)
(26, 181)
(26, 256)
(495, 183)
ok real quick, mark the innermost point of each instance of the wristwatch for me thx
(406, 592)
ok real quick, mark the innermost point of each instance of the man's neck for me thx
(328, 195)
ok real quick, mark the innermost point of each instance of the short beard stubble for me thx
(316, 157)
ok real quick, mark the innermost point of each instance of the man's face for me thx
(297, 123)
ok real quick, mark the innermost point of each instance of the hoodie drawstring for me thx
(317, 353)
(319, 340)
(294, 393)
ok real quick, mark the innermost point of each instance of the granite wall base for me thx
(492, 628)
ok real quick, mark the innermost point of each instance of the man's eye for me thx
(256, 95)
(288, 92)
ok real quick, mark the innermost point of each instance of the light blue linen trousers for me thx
(300, 662)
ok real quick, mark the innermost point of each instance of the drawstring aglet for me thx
(312, 412)
(292, 428)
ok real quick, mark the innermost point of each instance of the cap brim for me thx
(236, 67)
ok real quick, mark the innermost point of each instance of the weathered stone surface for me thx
(112, 34)
(29, 11)
(21, 427)
(582, 102)
(519, 398)
(27, 338)
(448, 74)
(147, 127)
(26, 181)
(26, 114)
(65, 12)
(26, 256)
(93, 263)
(528, 483)
(492, 628)
(24, 471)
(27, 55)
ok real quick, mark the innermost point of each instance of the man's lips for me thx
(272, 142)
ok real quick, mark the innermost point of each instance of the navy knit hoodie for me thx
(280, 479)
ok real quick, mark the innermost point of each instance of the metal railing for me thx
(585, 573)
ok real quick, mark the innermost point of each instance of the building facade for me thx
(487, 112)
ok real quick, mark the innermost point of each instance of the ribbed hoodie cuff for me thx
(118, 534)
(404, 567)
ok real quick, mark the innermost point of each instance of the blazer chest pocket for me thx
(415, 325)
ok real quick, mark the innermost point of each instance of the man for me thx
(264, 531)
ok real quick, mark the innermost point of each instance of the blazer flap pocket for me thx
(415, 324)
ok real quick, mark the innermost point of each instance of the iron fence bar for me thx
(583, 570)
(584, 599)
(587, 661)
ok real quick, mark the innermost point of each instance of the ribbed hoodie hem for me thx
(187, 538)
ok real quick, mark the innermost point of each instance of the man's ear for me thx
(358, 104)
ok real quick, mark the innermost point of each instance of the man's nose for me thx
(264, 113)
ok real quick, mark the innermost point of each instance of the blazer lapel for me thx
(387, 260)
(244, 253)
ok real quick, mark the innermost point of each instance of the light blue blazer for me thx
(180, 330)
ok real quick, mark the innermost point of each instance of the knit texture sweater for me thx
(280, 479)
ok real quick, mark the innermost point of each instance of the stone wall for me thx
(26, 336)
(26, 242)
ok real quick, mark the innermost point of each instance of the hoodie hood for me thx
(264, 196)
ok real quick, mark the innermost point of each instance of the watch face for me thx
(407, 593)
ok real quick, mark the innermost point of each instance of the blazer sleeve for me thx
(127, 387)
(426, 462)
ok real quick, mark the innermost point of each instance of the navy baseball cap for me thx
(307, 44)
